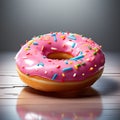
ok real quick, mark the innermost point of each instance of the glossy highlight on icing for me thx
(88, 58)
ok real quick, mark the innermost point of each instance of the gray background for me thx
(23, 19)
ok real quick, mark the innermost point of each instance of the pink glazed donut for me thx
(60, 61)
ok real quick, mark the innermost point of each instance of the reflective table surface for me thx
(99, 102)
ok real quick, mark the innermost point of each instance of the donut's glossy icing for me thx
(88, 57)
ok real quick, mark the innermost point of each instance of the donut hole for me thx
(59, 56)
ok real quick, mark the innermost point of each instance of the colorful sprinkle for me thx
(58, 66)
(74, 75)
(96, 49)
(42, 48)
(73, 45)
(80, 52)
(54, 36)
(54, 76)
(63, 75)
(27, 53)
(70, 62)
(40, 64)
(27, 48)
(30, 42)
(63, 37)
(35, 43)
(44, 57)
(83, 63)
(66, 61)
(67, 69)
(49, 42)
(72, 37)
(89, 47)
(94, 53)
(77, 57)
(76, 67)
(95, 65)
(91, 68)
(83, 74)
(46, 72)
(52, 48)
(88, 59)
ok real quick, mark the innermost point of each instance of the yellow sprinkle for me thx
(70, 62)
(62, 36)
(26, 49)
(91, 68)
(30, 42)
(76, 67)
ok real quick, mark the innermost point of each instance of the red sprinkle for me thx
(27, 53)
(58, 66)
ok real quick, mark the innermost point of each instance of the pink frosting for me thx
(88, 58)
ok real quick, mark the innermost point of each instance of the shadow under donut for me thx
(106, 85)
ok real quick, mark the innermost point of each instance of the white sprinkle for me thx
(83, 74)
(52, 48)
(74, 75)
(46, 72)
(95, 65)
(88, 59)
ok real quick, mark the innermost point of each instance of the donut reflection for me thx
(37, 105)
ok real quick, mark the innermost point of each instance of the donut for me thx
(60, 61)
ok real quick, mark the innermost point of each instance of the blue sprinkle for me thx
(54, 76)
(66, 61)
(44, 57)
(73, 45)
(72, 37)
(40, 64)
(81, 52)
(63, 33)
(54, 36)
(77, 57)
(55, 39)
(67, 69)
(35, 43)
